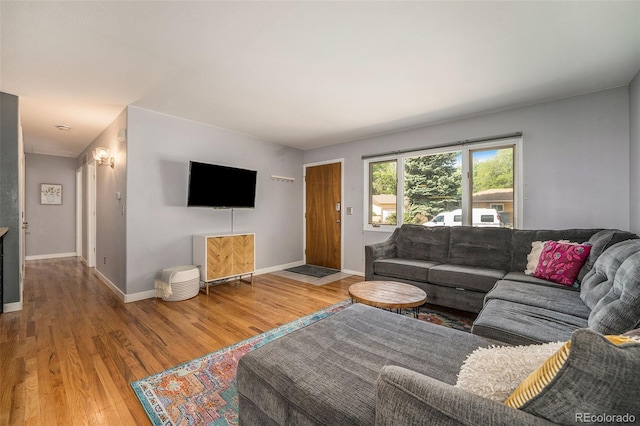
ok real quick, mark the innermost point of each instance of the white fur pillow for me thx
(534, 256)
(495, 372)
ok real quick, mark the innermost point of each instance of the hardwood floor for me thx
(68, 357)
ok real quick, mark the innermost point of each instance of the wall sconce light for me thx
(101, 155)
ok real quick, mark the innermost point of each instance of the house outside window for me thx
(474, 185)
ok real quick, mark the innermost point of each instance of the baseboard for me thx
(114, 288)
(149, 294)
(347, 271)
(126, 298)
(50, 256)
(12, 307)
(278, 267)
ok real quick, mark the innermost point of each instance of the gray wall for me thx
(52, 228)
(9, 207)
(160, 226)
(110, 219)
(634, 154)
(576, 166)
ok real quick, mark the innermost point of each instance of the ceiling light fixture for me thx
(63, 127)
(101, 155)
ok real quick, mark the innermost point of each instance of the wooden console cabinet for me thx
(224, 256)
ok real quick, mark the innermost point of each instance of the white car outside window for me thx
(481, 217)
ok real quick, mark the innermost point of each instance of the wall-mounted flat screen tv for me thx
(222, 187)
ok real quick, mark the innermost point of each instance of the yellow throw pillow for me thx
(540, 378)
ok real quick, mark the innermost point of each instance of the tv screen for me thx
(212, 185)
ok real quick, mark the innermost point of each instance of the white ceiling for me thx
(304, 74)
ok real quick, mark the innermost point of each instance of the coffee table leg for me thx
(415, 312)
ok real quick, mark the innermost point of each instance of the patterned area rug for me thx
(203, 391)
(313, 271)
(441, 318)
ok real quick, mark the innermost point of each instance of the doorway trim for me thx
(304, 206)
(79, 212)
(91, 212)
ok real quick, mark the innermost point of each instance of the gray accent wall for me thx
(9, 207)
(575, 153)
(52, 228)
(634, 154)
(110, 212)
(160, 225)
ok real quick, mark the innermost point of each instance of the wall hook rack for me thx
(283, 178)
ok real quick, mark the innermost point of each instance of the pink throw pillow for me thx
(560, 262)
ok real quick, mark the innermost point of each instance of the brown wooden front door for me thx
(323, 213)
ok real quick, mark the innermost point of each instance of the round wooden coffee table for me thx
(388, 294)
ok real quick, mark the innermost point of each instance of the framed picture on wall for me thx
(50, 193)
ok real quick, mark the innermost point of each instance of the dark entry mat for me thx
(313, 271)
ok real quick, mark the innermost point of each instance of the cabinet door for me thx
(219, 257)
(243, 250)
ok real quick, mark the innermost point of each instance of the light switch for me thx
(349, 210)
(118, 196)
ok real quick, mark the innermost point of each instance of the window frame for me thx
(518, 186)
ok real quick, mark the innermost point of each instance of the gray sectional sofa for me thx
(365, 366)
(458, 266)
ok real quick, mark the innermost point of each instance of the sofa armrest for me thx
(404, 397)
(372, 252)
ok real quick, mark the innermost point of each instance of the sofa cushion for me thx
(410, 269)
(468, 277)
(590, 374)
(599, 280)
(421, 242)
(556, 299)
(618, 310)
(483, 247)
(522, 277)
(522, 238)
(326, 373)
(600, 241)
(520, 324)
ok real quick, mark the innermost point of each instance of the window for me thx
(432, 185)
(383, 192)
(492, 180)
(453, 186)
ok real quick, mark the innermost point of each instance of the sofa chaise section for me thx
(326, 373)
(608, 302)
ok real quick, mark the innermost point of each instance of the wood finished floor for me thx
(68, 357)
